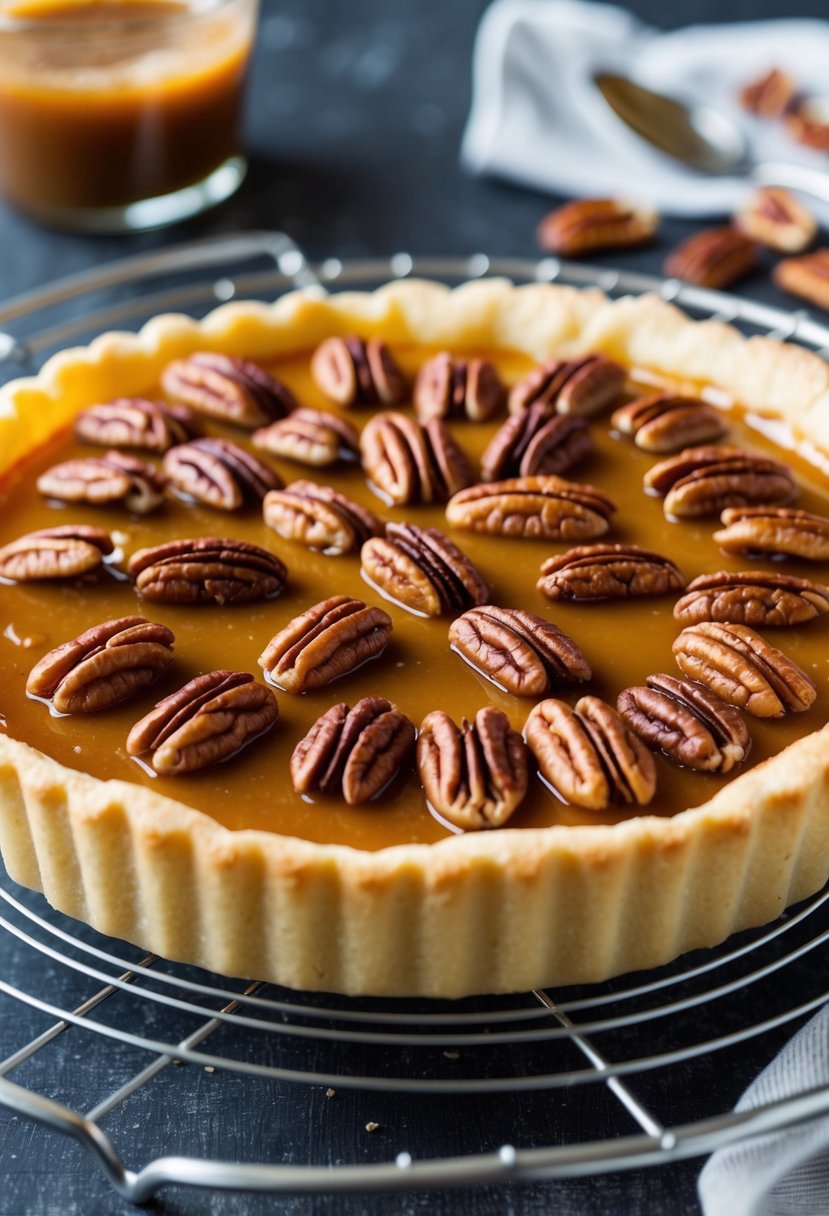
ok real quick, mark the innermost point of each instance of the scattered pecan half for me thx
(207, 570)
(350, 372)
(806, 277)
(775, 218)
(219, 473)
(312, 437)
(319, 517)
(770, 95)
(409, 463)
(774, 532)
(686, 722)
(64, 552)
(209, 720)
(588, 755)
(103, 666)
(330, 640)
(477, 776)
(809, 125)
(541, 508)
(420, 569)
(705, 480)
(228, 388)
(353, 752)
(665, 423)
(448, 387)
(715, 257)
(590, 224)
(536, 441)
(582, 387)
(740, 667)
(608, 572)
(517, 651)
(751, 597)
(100, 480)
(134, 422)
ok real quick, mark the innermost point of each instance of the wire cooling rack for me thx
(161, 1023)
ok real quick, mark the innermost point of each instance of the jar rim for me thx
(169, 12)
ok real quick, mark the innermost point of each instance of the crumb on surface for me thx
(371, 1126)
(330, 1093)
(452, 1055)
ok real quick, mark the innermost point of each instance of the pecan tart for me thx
(566, 724)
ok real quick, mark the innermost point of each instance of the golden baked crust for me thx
(501, 911)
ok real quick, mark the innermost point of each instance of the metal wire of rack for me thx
(157, 1014)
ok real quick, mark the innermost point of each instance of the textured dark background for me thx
(355, 117)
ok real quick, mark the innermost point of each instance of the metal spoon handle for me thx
(794, 177)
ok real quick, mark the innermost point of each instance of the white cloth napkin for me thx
(538, 119)
(785, 1173)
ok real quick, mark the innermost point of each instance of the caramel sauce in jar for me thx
(104, 103)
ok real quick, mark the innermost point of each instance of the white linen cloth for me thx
(538, 119)
(784, 1173)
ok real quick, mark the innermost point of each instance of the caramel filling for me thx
(623, 641)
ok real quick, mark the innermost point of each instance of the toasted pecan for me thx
(103, 666)
(451, 387)
(352, 372)
(749, 597)
(207, 570)
(319, 517)
(774, 532)
(64, 552)
(686, 722)
(741, 668)
(353, 752)
(327, 641)
(476, 776)
(588, 755)
(422, 570)
(228, 388)
(543, 508)
(608, 572)
(517, 651)
(208, 720)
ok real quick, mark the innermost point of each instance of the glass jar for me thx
(119, 115)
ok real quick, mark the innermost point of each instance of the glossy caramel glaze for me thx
(624, 642)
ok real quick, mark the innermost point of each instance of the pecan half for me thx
(536, 441)
(330, 640)
(477, 776)
(705, 480)
(311, 437)
(665, 423)
(752, 597)
(209, 720)
(806, 277)
(100, 480)
(686, 722)
(228, 388)
(448, 387)
(541, 508)
(775, 218)
(219, 473)
(103, 666)
(590, 224)
(519, 652)
(740, 667)
(808, 124)
(134, 422)
(353, 752)
(353, 372)
(582, 387)
(319, 517)
(588, 756)
(409, 463)
(774, 532)
(715, 257)
(63, 552)
(207, 570)
(608, 572)
(420, 569)
(770, 95)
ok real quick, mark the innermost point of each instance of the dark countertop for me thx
(356, 114)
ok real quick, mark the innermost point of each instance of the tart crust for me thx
(486, 912)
